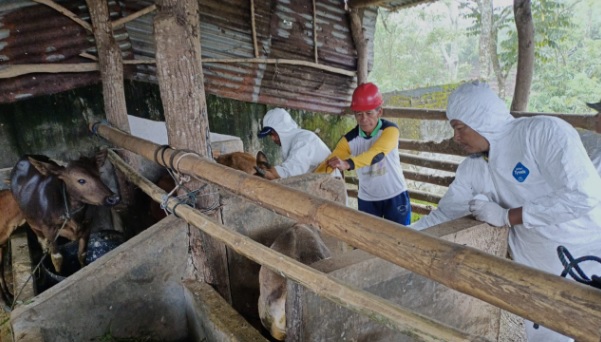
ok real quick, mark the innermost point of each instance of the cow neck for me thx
(68, 211)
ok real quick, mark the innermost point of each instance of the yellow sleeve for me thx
(388, 141)
(342, 151)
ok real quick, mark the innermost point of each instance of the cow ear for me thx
(44, 168)
(101, 157)
(262, 158)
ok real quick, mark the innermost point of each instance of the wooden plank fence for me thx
(410, 153)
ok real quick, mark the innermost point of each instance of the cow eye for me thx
(81, 181)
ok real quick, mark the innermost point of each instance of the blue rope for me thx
(96, 124)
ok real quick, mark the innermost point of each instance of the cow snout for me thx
(112, 200)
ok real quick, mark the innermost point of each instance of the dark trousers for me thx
(397, 209)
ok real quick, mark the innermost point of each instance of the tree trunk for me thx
(179, 70)
(525, 29)
(496, 65)
(484, 53)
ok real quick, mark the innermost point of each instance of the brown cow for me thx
(301, 243)
(53, 197)
(11, 218)
(243, 161)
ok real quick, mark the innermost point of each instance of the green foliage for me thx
(410, 47)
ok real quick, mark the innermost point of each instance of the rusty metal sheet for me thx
(284, 30)
(35, 34)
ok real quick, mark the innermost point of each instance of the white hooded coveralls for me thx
(302, 150)
(536, 163)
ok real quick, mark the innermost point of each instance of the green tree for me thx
(421, 46)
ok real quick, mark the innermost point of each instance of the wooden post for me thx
(110, 64)
(179, 70)
(560, 304)
(360, 44)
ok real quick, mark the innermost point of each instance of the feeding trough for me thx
(99, 243)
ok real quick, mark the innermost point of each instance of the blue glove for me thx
(489, 212)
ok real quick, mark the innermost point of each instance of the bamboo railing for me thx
(565, 306)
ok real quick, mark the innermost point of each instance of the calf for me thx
(301, 243)
(52, 198)
(246, 162)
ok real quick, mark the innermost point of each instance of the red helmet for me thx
(366, 97)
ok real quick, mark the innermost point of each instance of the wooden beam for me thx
(8, 71)
(122, 21)
(586, 121)
(14, 70)
(447, 146)
(64, 11)
(429, 163)
(563, 305)
(360, 44)
(431, 179)
(366, 3)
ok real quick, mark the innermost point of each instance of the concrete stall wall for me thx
(311, 318)
(134, 290)
(56, 125)
(264, 225)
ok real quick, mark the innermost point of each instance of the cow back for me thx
(39, 196)
(238, 160)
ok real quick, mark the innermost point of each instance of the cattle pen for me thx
(458, 267)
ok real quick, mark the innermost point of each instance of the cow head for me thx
(301, 243)
(264, 167)
(81, 179)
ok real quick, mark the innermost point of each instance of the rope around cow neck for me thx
(68, 215)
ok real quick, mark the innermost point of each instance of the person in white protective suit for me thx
(532, 174)
(302, 150)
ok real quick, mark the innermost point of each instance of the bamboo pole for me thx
(565, 306)
(253, 28)
(316, 56)
(363, 302)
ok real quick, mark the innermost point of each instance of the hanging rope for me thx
(572, 267)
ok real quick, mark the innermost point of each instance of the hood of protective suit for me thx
(477, 106)
(279, 120)
(282, 123)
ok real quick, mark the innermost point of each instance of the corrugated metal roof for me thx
(284, 30)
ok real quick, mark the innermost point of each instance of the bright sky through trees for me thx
(436, 44)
